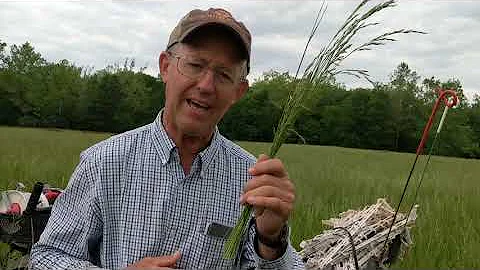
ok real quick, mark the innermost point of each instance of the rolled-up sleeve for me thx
(72, 237)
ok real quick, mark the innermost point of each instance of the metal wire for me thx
(352, 244)
(451, 101)
(434, 144)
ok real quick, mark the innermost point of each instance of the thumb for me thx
(176, 256)
(171, 259)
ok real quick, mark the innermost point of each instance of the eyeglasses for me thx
(194, 68)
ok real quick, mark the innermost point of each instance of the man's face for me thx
(194, 106)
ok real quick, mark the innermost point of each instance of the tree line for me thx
(388, 116)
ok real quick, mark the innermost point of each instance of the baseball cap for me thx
(216, 16)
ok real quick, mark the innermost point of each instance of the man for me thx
(165, 195)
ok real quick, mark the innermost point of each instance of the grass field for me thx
(329, 180)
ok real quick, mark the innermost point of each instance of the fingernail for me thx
(242, 198)
(251, 200)
(251, 170)
(262, 156)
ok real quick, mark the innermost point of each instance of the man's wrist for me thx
(274, 247)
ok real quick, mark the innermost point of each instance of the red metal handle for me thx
(450, 98)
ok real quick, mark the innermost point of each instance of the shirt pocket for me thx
(210, 249)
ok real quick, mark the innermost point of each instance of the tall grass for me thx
(320, 70)
(328, 180)
(28, 154)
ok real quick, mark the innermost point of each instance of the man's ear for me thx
(241, 90)
(163, 64)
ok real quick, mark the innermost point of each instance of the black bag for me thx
(22, 231)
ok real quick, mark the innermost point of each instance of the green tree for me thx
(24, 59)
(20, 82)
(326, 121)
(379, 120)
(34, 92)
(458, 135)
(430, 87)
(473, 115)
(254, 117)
(8, 110)
(3, 55)
(63, 84)
(407, 112)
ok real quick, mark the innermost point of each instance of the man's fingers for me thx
(274, 204)
(265, 165)
(176, 256)
(267, 180)
(269, 191)
(154, 262)
(169, 260)
(258, 211)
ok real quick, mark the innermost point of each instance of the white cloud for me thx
(101, 33)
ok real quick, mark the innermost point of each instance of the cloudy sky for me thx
(101, 33)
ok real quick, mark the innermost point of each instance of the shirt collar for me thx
(207, 155)
(165, 145)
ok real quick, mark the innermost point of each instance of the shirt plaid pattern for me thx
(129, 198)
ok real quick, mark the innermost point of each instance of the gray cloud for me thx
(101, 33)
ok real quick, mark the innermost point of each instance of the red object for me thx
(443, 96)
(14, 209)
(52, 195)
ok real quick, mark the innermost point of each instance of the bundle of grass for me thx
(324, 66)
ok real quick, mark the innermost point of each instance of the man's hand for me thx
(161, 262)
(272, 195)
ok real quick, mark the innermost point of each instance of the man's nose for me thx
(206, 82)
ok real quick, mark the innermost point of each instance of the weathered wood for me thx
(368, 227)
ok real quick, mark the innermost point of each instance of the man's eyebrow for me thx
(197, 58)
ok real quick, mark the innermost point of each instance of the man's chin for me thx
(196, 131)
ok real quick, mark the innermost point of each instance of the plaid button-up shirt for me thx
(129, 198)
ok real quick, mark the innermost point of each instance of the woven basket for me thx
(22, 231)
